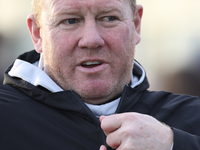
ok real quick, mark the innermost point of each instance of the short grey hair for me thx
(37, 6)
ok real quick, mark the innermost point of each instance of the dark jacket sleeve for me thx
(182, 114)
(185, 141)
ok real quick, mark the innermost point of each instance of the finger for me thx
(110, 123)
(101, 118)
(114, 139)
(103, 147)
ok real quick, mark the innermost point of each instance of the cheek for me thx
(61, 44)
(121, 41)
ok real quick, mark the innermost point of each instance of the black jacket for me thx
(32, 118)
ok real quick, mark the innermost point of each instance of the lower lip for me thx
(91, 70)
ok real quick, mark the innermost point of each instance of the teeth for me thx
(92, 63)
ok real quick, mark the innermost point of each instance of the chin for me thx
(99, 94)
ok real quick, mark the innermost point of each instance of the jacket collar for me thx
(33, 60)
(35, 75)
(26, 74)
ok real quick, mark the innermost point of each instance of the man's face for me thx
(88, 46)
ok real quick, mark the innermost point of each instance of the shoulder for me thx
(177, 110)
(168, 99)
(11, 99)
(8, 92)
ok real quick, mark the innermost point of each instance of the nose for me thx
(90, 36)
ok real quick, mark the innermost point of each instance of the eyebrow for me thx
(67, 11)
(109, 9)
(73, 11)
(63, 12)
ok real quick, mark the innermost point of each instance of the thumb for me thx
(103, 147)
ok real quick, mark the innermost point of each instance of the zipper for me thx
(122, 99)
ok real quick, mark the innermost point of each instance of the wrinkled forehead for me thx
(59, 5)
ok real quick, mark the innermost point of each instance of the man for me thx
(83, 89)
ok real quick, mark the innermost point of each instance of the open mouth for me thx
(91, 64)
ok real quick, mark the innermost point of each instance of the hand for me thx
(134, 131)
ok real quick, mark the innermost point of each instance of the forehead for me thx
(57, 6)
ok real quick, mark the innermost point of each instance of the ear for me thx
(35, 32)
(137, 22)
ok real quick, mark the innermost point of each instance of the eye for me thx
(71, 21)
(109, 18)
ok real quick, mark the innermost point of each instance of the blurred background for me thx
(169, 50)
